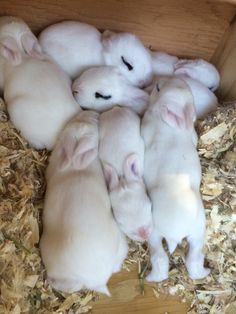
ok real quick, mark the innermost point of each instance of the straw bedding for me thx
(24, 288)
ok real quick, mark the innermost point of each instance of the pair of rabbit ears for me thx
(77, 153)
(179, 117)
(131, 169)
(10, 50)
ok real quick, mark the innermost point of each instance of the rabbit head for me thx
(200, 70)
(101, 88)
(126, 51)
(130, 203)
(172, 99)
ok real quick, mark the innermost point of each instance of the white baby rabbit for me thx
(163, 63)
(73, 45)
(37, 92)
(204, 99)
(100, 88)
(77, 46)
(121, 151)
(172, 173)
(197, 69)
(81, 245)
(200, 70)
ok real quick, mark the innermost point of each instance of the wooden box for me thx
(186, 28)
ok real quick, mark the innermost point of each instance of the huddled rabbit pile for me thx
(128, 167)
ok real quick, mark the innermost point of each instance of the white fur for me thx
(109, 82)
(204, 99)
(163, 63)
(197, 69)
(77, 46)
(37, 92)
(73, 45)
(200, 70)
(81, 245)
(116, 45)
(121, 151)
(172, 174)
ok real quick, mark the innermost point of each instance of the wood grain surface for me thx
(128, 299)
(225, 60)
(190, 28)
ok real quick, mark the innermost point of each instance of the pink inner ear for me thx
(9, 50)
(172, 118)
(190, 72)
(31, 46)
(132, 167)
(111, 176)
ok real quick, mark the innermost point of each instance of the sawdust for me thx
(24, 288)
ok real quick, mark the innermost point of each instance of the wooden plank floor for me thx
(128, 299)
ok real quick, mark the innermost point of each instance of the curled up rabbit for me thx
(200, 70)
(81, 244)
(201, 76)
(37, 92)
(172, 173)
(77, 46)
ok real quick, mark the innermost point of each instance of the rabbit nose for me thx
(143, 233)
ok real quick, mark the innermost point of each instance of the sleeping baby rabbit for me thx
(37, 92)
(197, 69)
(172, 173)
(201, 76)
(101, 88)
(121, 151)
(204, 99)
(78, 46)
(81, 245)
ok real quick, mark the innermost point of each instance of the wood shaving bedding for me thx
(24, 288)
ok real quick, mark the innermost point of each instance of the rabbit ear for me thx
(189, 71)
(10, 50)
(77, 153)
(107, 34)
(111, 176)
(106, 39)
(176, 117)
(131, 168)
(31, 45)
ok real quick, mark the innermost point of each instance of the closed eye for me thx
(98, 95)
(129, 66)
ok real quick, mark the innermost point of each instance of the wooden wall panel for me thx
(190, 28)
(225, 60)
